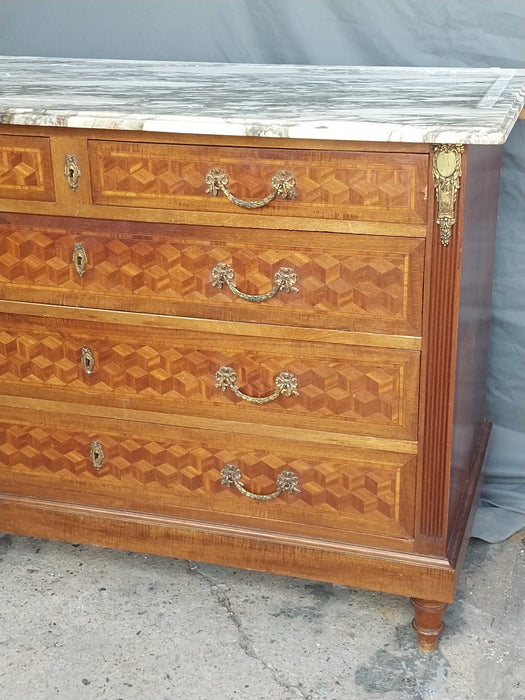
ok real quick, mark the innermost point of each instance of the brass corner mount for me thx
(446, 169)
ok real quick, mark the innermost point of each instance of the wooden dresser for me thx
(235, 333)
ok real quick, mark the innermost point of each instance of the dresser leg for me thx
(428, 623)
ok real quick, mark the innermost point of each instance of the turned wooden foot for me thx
(428, 623)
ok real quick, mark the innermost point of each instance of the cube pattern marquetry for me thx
(25, 168)
(373, 290)
(339, 185)
(183, 373)
(184, 469)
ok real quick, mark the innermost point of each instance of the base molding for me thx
(364, 567)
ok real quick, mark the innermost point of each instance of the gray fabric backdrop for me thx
(478, 33)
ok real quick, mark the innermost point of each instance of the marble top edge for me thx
(266, 66)
(359, 103)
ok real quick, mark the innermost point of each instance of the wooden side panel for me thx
(336, 185)
(350, 282)
(366, 390)
(25, 168)
(179, 473)
(455, 347)
(479, 232)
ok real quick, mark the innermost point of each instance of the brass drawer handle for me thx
(286, 481)
(283, 184)
(71, 171)
(87, 360)
(80, 259)
(96, 454)
(284, 280)
(285, 383)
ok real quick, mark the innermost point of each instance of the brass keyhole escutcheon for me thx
(71, 171)
(96, 454)
(87, 360)
(80, 259)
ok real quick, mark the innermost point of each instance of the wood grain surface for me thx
(336, 185)
(386, 335)
(359, 283)
(178, 472)
(371, 391)
(25, 168)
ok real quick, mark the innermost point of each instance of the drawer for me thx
(25, 168)
(370, 186)
(316, 280)
(324, 492)
(307, 385)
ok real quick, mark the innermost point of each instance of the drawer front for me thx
(361, 283)
(25, 168)
(308, 385)
(326, 184)
(187, 475)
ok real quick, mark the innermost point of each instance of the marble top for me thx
(431, 105)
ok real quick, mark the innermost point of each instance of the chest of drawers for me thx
(251, 348)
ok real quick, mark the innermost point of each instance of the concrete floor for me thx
(79, 622)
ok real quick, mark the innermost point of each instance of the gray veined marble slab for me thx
(432, 105)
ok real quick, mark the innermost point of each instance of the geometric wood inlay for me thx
(336, 185)
(366, 491)
(178, 369)
(344, 286)
(25, 168)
